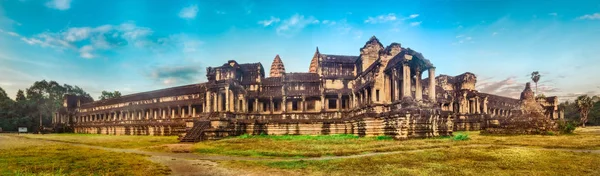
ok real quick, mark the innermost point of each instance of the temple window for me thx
(265, 106)
(332, 103)
(294, 105)
(377, 95)
(310, 105)
(275, 106)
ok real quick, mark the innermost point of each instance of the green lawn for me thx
(111, 141)
(449, 161)
(19, 156)
(341, 145)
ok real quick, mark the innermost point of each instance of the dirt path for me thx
(195, 164)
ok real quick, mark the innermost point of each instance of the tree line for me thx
(37, 104)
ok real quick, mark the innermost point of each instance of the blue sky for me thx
(139, 45)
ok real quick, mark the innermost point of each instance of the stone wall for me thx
(154, 129)
(400, 125)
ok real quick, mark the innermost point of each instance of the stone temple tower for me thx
(527, 93)
(277, 68)
(314, 62)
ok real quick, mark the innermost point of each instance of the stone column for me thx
(339, 102)
(189, 110)
(395, 84)
(193, 112)
(366, 96)
(303, 103)
(418, 87)
(432, 84)
(406, 79)
(227, 99)
(322, 102)
(283, 104)
(206, 102)
(214, 102)
(179, 111)
(271, 105)
(256, 105)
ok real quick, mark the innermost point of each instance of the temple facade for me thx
(381, 91)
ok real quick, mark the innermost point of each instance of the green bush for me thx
(381, 138)
(461, 137)
(566, 127)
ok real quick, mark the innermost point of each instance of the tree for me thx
(584, 104)
(108, 95)
(20, 96)
(535, 77)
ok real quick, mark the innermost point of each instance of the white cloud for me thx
(103, 37)
(59, 4)
(189, 12)
(381, 19)
(553, 14)
(220, 12)
(595, 16)
(270, 21)
(413, 16)
(294, 24)
(85, 52)
(415, 23)
(494, 33)
(10, 33)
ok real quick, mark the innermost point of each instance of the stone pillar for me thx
(406, 79)
(271, 105)
(284, 104)
(395, 84)
(365, 97)
(256, 105)
(207, 102)
(418, 87)
(322, 102)
(189, 110)
(432, 84)
(179, 111)
(227, 99)
(485, 109)
(303, 103)
(193, 112)
(215, 102)
(339, 102)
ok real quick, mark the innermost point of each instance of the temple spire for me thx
(277, 68)
(314, 62)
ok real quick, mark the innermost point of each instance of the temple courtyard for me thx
(467, 153)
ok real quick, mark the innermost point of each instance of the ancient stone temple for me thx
(381, 91)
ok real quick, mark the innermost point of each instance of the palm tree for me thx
(584, 104)
(535, 77)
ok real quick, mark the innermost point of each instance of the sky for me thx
(139, 45)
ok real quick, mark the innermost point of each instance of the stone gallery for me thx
(379, 92)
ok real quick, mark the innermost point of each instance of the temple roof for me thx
(272, 81)
(499, 102)
(339, 58)
(172, 91)
(424, 63)
(301, 77)
(372, 41)
(251, 72)
(277, 67)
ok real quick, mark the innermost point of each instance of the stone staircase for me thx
(197, 132)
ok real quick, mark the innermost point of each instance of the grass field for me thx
(451, 161)
(19, 156)
(108, 140)
(467, 153)
(341, 145)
